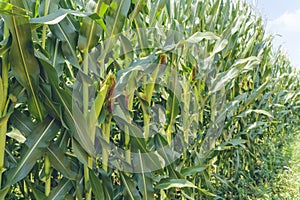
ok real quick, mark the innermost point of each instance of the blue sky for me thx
(283, 18)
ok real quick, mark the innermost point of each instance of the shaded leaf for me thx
(60, 191)
(66, 32)
(192, 170)
(97, 186)
(60, 161)
(130, 186)
(43, 133)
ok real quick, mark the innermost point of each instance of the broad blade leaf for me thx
(97, 186)
(24, 65)
(66, 32)
(60, 191)
(199, 36)
(36, 142)
(192, 170)
(60, 161)
(115, 23)
(175, 183)
(58, 16)
(130, 186)
(64, 97)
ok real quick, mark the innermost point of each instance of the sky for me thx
(283, 20)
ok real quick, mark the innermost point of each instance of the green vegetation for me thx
(96, 98)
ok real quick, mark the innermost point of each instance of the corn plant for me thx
(120, 99)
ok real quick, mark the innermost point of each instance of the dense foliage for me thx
(79, 78)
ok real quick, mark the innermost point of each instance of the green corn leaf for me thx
(59, 15)
(60, 191)
(155, 9)
(22, 122)
(89, 35)
(80, 153)
(36, 142)
(37, 193)
(219, 46)
(97, 186)
(146, 185)
(224, 78)
(236, 142)
(3, 120)
(17, 135)
(175, 183)
(130, 186)
(12, 9)
(263, 112)
(60, 161)
(90, 31)
(143, 186)
(108, 186)
(127, 49)
(115, 22)
(3, 100)
(255, 94)
(135, 12)
(54, 109)
(25, 66)
(199, 36)
(66, 32)
(71, 118)
(192, 170)
(3, 193)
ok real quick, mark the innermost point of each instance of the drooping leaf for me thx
(66, 32)
(175, 183)
(58, 16)
(224, 78)
(17, 135)
(263, 112)
(199, 36)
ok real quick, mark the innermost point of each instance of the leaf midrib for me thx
(61, 189)
(33, 148)
(117, 17)
(25, 68)
(57, 158)
(66, 39)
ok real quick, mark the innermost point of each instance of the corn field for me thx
(142, 99)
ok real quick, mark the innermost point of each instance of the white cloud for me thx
(288, 26)
(289, 20)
